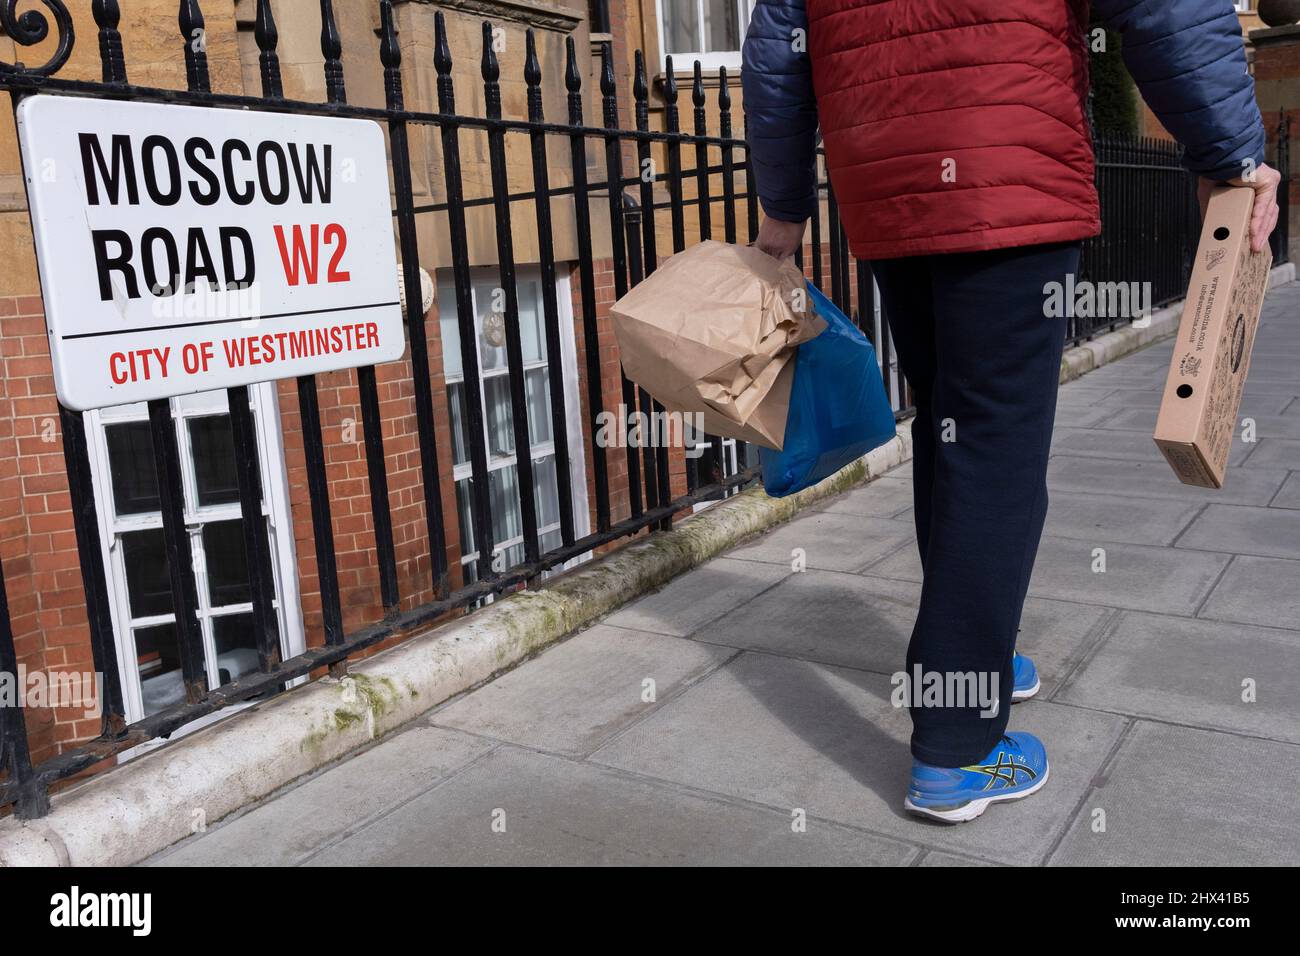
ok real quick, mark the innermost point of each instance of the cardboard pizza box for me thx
(1198, 410)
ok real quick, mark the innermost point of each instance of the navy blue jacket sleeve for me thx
(1189, 62)
(780, 110)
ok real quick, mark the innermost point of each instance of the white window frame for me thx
(683, 60)
(275, 505)
(572, 410)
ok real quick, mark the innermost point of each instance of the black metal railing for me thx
(716, 188)
(1151, 223)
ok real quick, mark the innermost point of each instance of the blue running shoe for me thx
(1026, 682)
(1016, 768)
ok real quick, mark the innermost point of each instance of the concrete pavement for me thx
(741, 715)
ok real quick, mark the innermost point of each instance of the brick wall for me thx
(37, 542)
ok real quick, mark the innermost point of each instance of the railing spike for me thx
(533, 79)
(331, 47)
(268, 38)
(442, 63)
(194, 33)
(490, 67)
(108, 15)
(390, 55)
(607, 86)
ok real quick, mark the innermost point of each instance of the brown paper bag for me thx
(714, 331)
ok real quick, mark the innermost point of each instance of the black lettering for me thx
(229, 236)
(313, 172)
(106, 263)
(151, 236)
(280, 194)
(228, 150)
(198, 261)
(194, 148)
(93, 161)
(148, 149)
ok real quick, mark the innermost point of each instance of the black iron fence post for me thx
(367, 388)
(550, 298)
(390, 54)
(587, 283)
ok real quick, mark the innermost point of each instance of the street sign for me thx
(186, 248)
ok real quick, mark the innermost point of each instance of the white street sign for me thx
(187, 248)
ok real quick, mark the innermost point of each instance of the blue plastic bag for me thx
(838, 407)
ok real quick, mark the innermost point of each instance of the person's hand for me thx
(779, 239)
(1265, 181)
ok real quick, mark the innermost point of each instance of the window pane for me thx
(512, 556)
(531, 319)
(681, 27)
(213, 442)
(500, 419)
(158, 657)
(721, 26)
(131, 462)
(538, 393)
(223, 545)
(148, 588)
(503, 486)
(450, 330)
(459, 426)
(236, 646)
(551, 540)
(547, 497)
(465, 512)
(490, 306)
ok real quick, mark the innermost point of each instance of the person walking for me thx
(957, 142)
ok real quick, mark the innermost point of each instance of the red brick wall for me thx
(37, 543)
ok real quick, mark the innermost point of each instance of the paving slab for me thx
(1175, 796)
(576, 695)
(882, 498)
(1082, 416)
(1154, 479)
(835, 542)
(1288, 496)
(1079, 392)
(1101, 517)
(688, 602)
(1266, 425)
(1270, 532)
(1194, 672)
(518, 808)
(1100, 442)
(1136, 576)
(1255, 590)
(1129, 397)
(787, 734)
(865, 622)
(1275, 453)
(287, 829)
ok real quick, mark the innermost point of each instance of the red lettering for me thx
(303, 257)
(335, 273)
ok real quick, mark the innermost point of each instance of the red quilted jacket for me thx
(1010, 161)
(960, 125)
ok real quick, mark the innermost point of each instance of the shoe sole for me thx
(1019, 695)
(975, 808)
